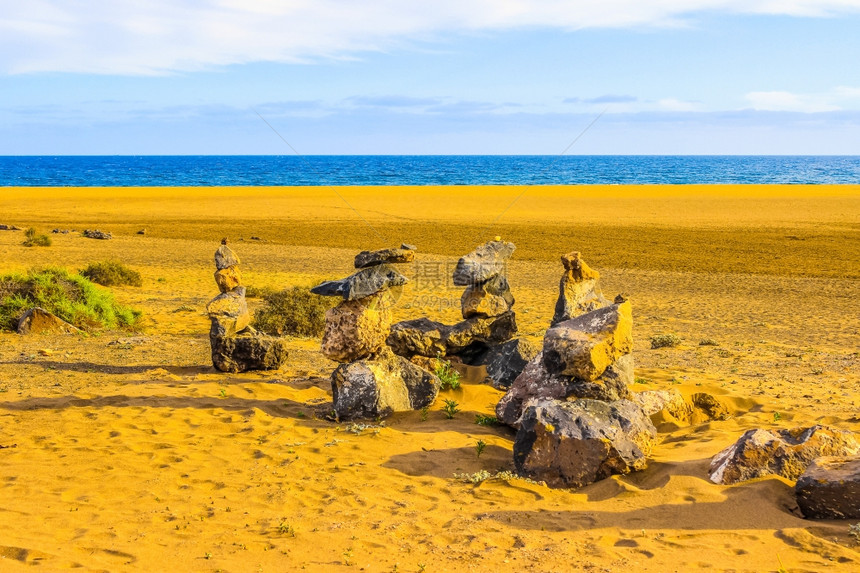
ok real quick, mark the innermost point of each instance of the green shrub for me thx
(111, 273)
(34, 239)
(484, 420)
(664, 340)
(295, 311)
(449, 377)
(71, 297)
(258, 292)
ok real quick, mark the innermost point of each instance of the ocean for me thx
(209, 170)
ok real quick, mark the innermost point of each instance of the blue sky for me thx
(442, 77)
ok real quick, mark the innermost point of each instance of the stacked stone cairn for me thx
(571, 405)
(371, 381)
(236, 346)
(485, 337)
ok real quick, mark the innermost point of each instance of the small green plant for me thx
(641, 381)
(71, 297)
(112, 273)
(451, 408)
(294, 311)
(223, 393)
(207, 556)
(484, 420)
(480, 445)
(665, 340)
(284, 528)
(34, 239)
(424, 412)
(777, 416)
(708, 342)
(449, 377)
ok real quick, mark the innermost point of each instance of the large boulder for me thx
(225, 257)
(379, 385)
(482, 264)
(228, 312)
(248, 350)
(426, 337)
(364, 283)
(355, 329)
(39, 321)
(536, 382)
(491, 298)
(830, 488)
(505, 362)
(578, 291)
(383, 256)
(587, 345)
(572, 444)
(786, 452)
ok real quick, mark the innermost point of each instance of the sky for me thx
(162, 77)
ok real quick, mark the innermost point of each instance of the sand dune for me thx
(129, 452)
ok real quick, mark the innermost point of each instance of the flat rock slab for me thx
(366, 282)
(248, 351)
(587, 345)
(482, 264)
(572, 444)
(383, 256)
(39, 321)
(780, 452)
(830, 488)
(380, 385)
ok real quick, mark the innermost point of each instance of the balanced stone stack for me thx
(236, 346)
(371, 381)
(571, 405)
(486, 335)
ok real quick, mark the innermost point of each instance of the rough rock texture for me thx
(96, 234)
(782, 452)
(586, 345)
(380, 385)
(663, 403)
(225, 257)
(710, 407)
(572, 444)
(364, 283)
(430, 338)
(578, 291)
(505, 362)
(248, 350)
(40, 321)
(355, 329)
(227, 279)
(537, 382)
(482, 264)
(228, 312)
(830, 488)
(491, 298)
(372, 258)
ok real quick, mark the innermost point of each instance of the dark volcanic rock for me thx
(362, 284)
(491, 298)
(372, 258)
(380, 385)
(39, 321)
(430, 338)
(248, 351)
(781, 452)
(585, 346)
(536, 382)
(482, 264)
(505, 361)
(572, 444)
(830, 488)
(96, 234)
(578, 290)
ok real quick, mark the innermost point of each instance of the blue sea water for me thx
(208, 170)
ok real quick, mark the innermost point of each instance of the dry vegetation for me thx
(120, 449)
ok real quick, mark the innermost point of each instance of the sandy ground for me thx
(127, 451)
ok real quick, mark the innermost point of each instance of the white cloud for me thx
(162, 36)
(832, 100)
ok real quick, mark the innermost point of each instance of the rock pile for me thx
(485, 336)
(96, 234)
(371, 380)
(236, 346)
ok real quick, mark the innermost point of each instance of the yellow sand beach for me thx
(127, 451)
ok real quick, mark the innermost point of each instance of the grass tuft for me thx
(34, 239)
(112, 273)
(294, 311)
(71, 297)
(449, 377)
(665, 340)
